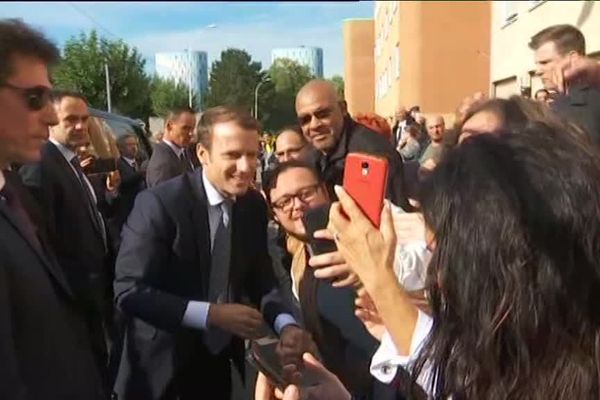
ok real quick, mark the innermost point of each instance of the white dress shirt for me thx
(386, 360)
(176, 149)
(196, 313)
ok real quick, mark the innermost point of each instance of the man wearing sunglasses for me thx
(45, 350)
(327, 125)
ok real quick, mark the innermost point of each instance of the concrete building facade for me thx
(515, 22)
(312, 57)
(359, 66)
(430, 53)
(189, 68)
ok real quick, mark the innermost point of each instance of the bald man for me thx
(436, 128)
(333, 134)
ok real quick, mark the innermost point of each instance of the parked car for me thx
(121, 125)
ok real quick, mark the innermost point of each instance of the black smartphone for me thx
(262, 355)
(315, 219)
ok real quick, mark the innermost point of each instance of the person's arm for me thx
(144, 253)
(371, 252)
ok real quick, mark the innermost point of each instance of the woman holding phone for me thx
(514, 284)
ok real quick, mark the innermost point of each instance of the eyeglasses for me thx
(35, 97)
(305, 195)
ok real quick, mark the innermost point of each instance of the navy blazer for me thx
(164, 262)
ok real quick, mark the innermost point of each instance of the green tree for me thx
(338, 82)
(233, 79)
(168, 94)
(82, 69)
(278, 101)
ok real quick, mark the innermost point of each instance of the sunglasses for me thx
(35, 97)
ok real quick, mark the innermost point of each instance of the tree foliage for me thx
(82, 69)
(287, 77)
(233, 79)
(338, 82)
(166, 95)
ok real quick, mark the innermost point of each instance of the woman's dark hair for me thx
(514, 281)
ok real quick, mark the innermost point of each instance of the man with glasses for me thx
(327, 126)
(45, 349)
(322, 284)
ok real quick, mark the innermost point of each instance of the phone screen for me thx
(262, 354)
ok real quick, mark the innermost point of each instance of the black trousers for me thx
(213, 380)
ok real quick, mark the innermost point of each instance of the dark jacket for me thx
(164, 165)
(582, 106)
(76, 239)
(358, 138)
(163, 263)
(45, 349)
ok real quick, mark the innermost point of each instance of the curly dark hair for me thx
(514, 281)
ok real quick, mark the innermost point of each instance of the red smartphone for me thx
(365, 180)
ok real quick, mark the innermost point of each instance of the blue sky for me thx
(170, 26)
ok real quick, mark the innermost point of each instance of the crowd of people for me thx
(125, 278)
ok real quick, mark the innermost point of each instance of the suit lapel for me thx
(52, 268)
(201, 226)
(67, 171)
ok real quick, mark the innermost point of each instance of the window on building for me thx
(534, 3)
(509, 11)
(395, 6)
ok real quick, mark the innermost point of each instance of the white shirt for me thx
(410, 264)
(129, 161)
(176, 149)
(386, 360)
(2, 180)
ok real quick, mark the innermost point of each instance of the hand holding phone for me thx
(365, 180)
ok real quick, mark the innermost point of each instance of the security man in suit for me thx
(45, 349)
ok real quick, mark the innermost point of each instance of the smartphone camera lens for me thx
(364, 166)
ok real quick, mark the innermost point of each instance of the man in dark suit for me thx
(75, 226)
(327, 305)
(334, 135)
(170, 157)
(565, 44)
(133, 181)
(45, 349)
(194, 253)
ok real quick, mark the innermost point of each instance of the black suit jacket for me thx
(74, 237)
(45, 349)
(164, 262)
(358, 138)
(163, 165)
(582, 106)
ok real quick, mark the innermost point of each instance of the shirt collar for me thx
(67, 153)
(178, 150)
(129, 161)
(212, 194)
(2, 180)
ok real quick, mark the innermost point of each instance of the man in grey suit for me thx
(169, 157)
(45, 349)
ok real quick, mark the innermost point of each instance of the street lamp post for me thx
(265, 79)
